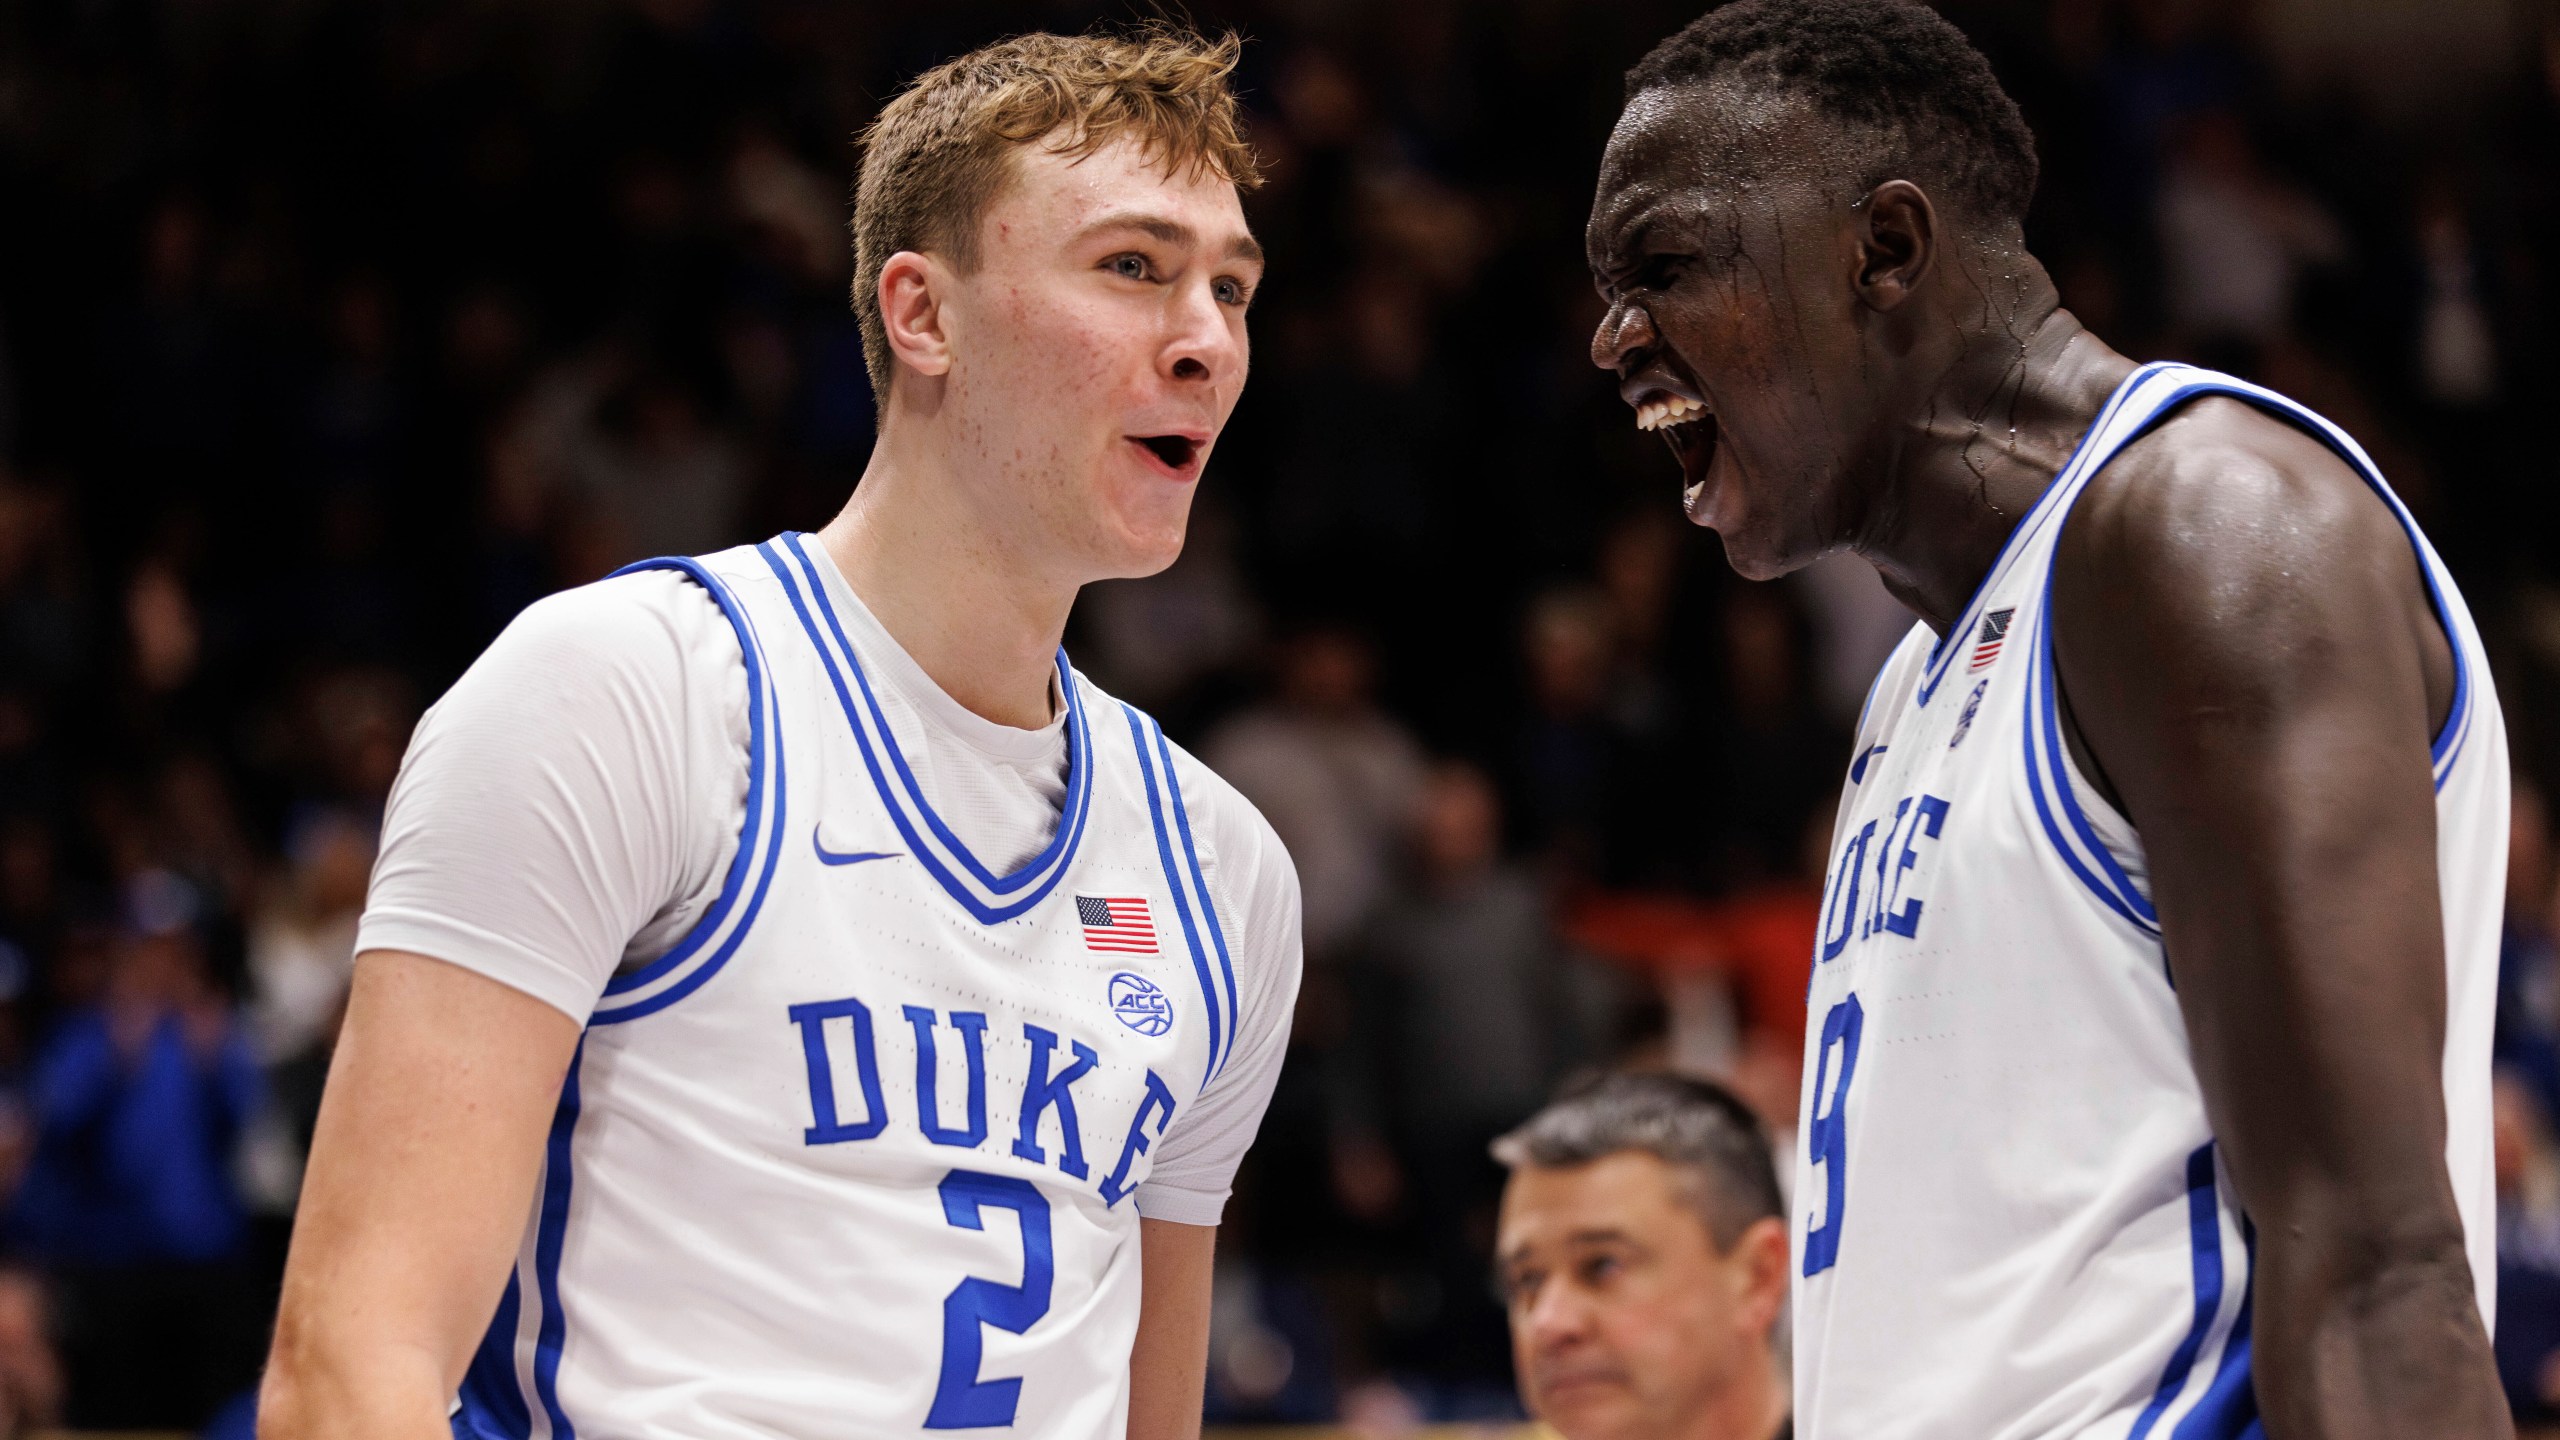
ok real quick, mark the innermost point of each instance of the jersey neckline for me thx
(989, 897)
(1942, 653)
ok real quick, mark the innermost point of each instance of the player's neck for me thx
(982, 623)
(1982, 444)
(1755, 1405)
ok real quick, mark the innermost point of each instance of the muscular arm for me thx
(2248, 653)
(1169, 1365)
(422, 1172)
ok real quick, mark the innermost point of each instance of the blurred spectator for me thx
(1644, 1253)
(2528, 1320)
(657, 474)
(301, 958)
(1471, 1008)
(1335, 776)
(30, 1373)
(2457, 360)
(1465, 1013)
(1270, 1341)
(2235, 239)
(1601, 789)
(1152, 641)
(1856, 624)
(139, 1101)
(47, 631)
(1365, 409)
(1731, 974)
(1773, 759)
(2528, 1032)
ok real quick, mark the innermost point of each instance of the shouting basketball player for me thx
(792, 1001)
(2147, 1087)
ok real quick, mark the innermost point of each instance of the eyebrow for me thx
(1171, 232)
(1625, 234)
(1601, 1235)
(1592, 1235)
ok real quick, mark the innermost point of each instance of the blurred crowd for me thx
(333, 334)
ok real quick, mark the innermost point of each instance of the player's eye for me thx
(1660, 272)
(1131, 266)
(1599, 1268)
(1231, 291)
(1521, 1286)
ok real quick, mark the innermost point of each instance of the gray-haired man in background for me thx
(1643, 1248)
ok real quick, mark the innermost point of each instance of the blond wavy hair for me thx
(941, 151)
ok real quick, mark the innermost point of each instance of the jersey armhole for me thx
(2053, 778)
(707, 946)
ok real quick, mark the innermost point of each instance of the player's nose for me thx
(1558, 1316)
(1204, 346)
(1625, 331)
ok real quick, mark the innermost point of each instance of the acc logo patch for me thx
(1972, 707)
(1140, 1005)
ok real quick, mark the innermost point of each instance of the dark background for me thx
(333, 334)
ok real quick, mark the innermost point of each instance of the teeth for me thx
(1664, 411)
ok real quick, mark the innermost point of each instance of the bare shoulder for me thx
(2227, 521)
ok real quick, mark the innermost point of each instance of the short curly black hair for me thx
(1920, 99)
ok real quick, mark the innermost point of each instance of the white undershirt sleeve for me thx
(571, 804)
(1256, 890)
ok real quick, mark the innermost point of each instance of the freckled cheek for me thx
(1056, 352)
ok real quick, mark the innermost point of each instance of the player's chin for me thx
(1752, 559)
(1145, 543)
(1750, 547)
(1757, 544)
(1591, 1406)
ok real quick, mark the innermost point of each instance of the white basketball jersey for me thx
(856, 1157)
(2011, 1219)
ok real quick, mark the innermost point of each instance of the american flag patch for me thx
(1117, 923)
(1995, 631)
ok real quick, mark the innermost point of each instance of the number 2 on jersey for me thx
(962, 1401)
(1826, 1133)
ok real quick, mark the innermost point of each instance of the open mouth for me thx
(1689, 428)
(1174, 452)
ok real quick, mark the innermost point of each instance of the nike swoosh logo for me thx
(846, 857)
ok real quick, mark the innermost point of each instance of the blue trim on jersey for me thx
(547, 1244)
(1079, 777)
(665, 979)
(1071, 821)
(2088, 858)
(1942, 654)
(695, 978)
(2123, 902)
(2447, 745)
(2229, 1408)
(1200, 881)
(2116, 888)
(493, 1403)
(1181, 906)
(2204, 1233)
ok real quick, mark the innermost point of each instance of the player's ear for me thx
(1761, 1256)
(911, 293)
(1897, 242)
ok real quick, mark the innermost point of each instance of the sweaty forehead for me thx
(1695, 152)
